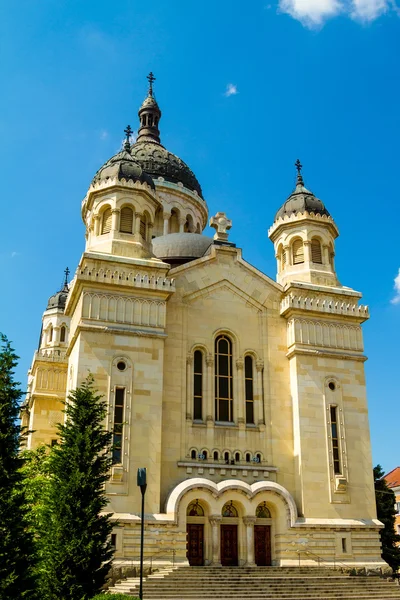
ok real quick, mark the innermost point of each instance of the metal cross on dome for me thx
(128, 132)
(221, 224)
(298, 166)
(151, 79)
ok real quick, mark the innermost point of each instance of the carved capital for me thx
(166, 215)
(138, 215)
(209, 360)
(189, 359)
(215, 520)
(239, 363)
(307, 242)
(182, 220)
(249, 521)
(259, 365)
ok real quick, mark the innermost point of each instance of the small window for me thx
(229, 510)
(258, 457)
(262, 511)
(216, 455)
(126, 220)
(54, 443)
(121, 365)
(62, 334)
(198, 385)
(335, 441)
(195, 509)
(284, 258)
(193, 454)
(226, 458)
(298, 252)
(331, 386)
(143, 229)
(249, 389)
(316, 251)
(248, 457)
(344, 545)
(106, 222)
(237, 457)
(51, 333)
(114, 540)
(118, 425)
(204, 455)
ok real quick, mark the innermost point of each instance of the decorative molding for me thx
(323, 305)
(123, 309)
(310, 332)
(50, 379)
(121, 277)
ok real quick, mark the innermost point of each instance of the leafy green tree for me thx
(385, 506)
(77, 543)
(17, 557)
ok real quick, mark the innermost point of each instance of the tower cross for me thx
(66, 272)
(151, 79)
(298, 166)
(128, 132)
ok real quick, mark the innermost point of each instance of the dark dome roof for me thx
(300, 201)
(158, 162)
(59, 299)
(123, 166)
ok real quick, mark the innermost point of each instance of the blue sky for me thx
(245, 89)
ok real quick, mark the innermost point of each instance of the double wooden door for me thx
(229, 545)
(195, 545)
(262, 545)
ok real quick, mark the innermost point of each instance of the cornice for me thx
(298, 349)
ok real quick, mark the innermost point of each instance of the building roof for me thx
(393, 478)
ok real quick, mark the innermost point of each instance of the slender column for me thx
(149, 231)
(189, 387)
(289, 260)
(166, 217)
(209, 391)
(307, 251)
(97, 225)
(115, 219)
(182, 222)
(250, 522)
(325, 255)
(215, 521)
(240, 387)
(138, 216)
(258, 400)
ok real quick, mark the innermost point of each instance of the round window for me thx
(121, 366)
(331, 386)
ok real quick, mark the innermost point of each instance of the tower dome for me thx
(301, 200)
(148, 151)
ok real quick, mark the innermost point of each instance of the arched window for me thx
(193, 454)
(126, 220)
(62, 333)
(262, 511)
(237, 457)
(106, 222)
(249, 389)
(204, 454)
(223, 379)
(316, 251)
(51, 333)
(216, 456)
(143, 227)
(258, 456)
(248, 457)
(229, 510)
(298, 252)
(195, 509)
(198, 385)
(226, 457)
(284, 258)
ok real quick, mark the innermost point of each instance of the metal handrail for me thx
(149, 559)
(320, 559)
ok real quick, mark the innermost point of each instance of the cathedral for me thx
(243, 396)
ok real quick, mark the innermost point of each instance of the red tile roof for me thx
(393, 478)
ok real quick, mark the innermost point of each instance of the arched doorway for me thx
(262, 536)
(195, 520)
(229, 535)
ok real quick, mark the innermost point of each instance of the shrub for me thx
(106, 596)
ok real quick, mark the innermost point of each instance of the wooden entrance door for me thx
(229, 545)
(194, 545)
(262, 545)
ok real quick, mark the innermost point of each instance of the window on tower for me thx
(298, 252)
(316, 251)
(198, 385)
(126, 220)
(249, 389)
(223, 379)
(62, 333)
(106, 221)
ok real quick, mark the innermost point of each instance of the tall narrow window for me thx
(106, 222)
(142, 229)
(118, 425)
(126, 220)
(223, 379)
(283, 258)
(316, 251)
(249, 389)
(198, 385)
(62, 333)
(298, 252)
(335, 441)
(51, 333)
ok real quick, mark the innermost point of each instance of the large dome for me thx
(123, 166)
(158, 162)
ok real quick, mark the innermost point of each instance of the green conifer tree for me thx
(77, 546)
(385, 506)
(17, 558)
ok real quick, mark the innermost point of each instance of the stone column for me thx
(189, 387)
(215, 521)
(307, 251)
(166, 217)
(250, 522)
(258, 400)
(115, 219)
(182, 222)
(97, 225)
(325, 255)
(240, 397)
(138, 216)
(209, 391)
(149, 231)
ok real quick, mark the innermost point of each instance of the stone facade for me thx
(243, 397)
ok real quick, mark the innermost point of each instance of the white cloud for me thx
(103, 134)
(368, 10)
(231, 90)
(313, 13)
(14, 254)
(396, 299)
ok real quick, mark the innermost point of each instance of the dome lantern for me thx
(149, 116)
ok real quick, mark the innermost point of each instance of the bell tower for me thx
(304, 236)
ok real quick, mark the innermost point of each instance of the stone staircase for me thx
(260, 583)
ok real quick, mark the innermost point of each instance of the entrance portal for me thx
(195, 544)
(262, 545)
(229, 545)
